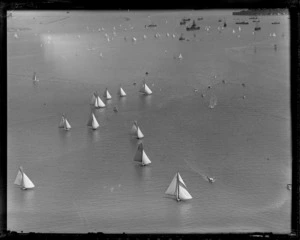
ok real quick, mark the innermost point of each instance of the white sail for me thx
(147, 89)
(139, 133)
(95, 123)
(62, 122)
(145, 159)
(233, 31)
(134, 128)
(100, 103)
(240, 29)
(67, 125)
(34, 78)
(171, 190)
(139, 153)
(22, 180)
(180, 56)
(178, 188)
(107, 94)
(19, 178)
(27, 182)
(122, 92)
(184, 194)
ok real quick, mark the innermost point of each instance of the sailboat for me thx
(134, 127)
(141, 156)
(93, 123)
(122, 92)
(62, 121)
(178, 188)
(180, 56)
(23, 181)
(99, 103)
(107, 94)
(145, 89)
(34, 78)
(67, 125)
(139, 133)
(212, 102)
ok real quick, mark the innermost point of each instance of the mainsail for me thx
(122, 92)
(145, 89)
(67, 125)
(141, 156)
(22, 180)
(107, 94)
(134, 127)
(139, 133)
(62, 122)
(178, 188)
(34, 78)
(95, 123)
(99, 103)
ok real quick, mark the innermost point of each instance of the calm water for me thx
(87, 181)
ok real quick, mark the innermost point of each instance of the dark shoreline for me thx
(262, 12)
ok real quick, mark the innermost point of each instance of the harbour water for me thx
(87, 180)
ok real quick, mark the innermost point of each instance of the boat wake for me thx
(193, 167)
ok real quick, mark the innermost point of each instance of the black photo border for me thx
(292, 5)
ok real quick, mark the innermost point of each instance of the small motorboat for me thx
(210, 179)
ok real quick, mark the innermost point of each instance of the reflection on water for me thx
(142, 172)
(144, 101)
(122, 100)
(93, 135)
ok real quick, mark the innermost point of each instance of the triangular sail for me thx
(134, 127)
(171, 190)
(27, 182)
(122, 92)
(139, 153)
(180, 179)
(107, 94)
(95, 123)
(183, 193)
(145, 159)
(62, 122)
(139, 133)
(19, 178)
(93, 100)
(147, 90)
(100, 103)
(67, 125)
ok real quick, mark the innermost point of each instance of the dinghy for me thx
(141, 156)
(62, 121)
(67, 125)
(139, 133)
(178, 188)
(210, 179)
(145, 89)
(99, 103)
(23, 181)
(122, 92)
(107, 94)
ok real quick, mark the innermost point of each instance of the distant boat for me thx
(62, 122)
(115, 109)
(168, 35)
(93, 123)
(210, 179)
(213, 102)
(193, 27)
(107, 94)
(173, 35)
(145, 89)
(16, 35)
(181, 38)
(34, 78)
(275, 22)
(178, 188)
(122, 92)
(240, 29)
(289, 186)
(134, 127)
(99, 103)
(139, 133)
(145, 36)
(233, 31)
(180, 56)
(242, 23)
(151, 25)
(23, 181)
(141, 156)
(133, 39)
(67, 125)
